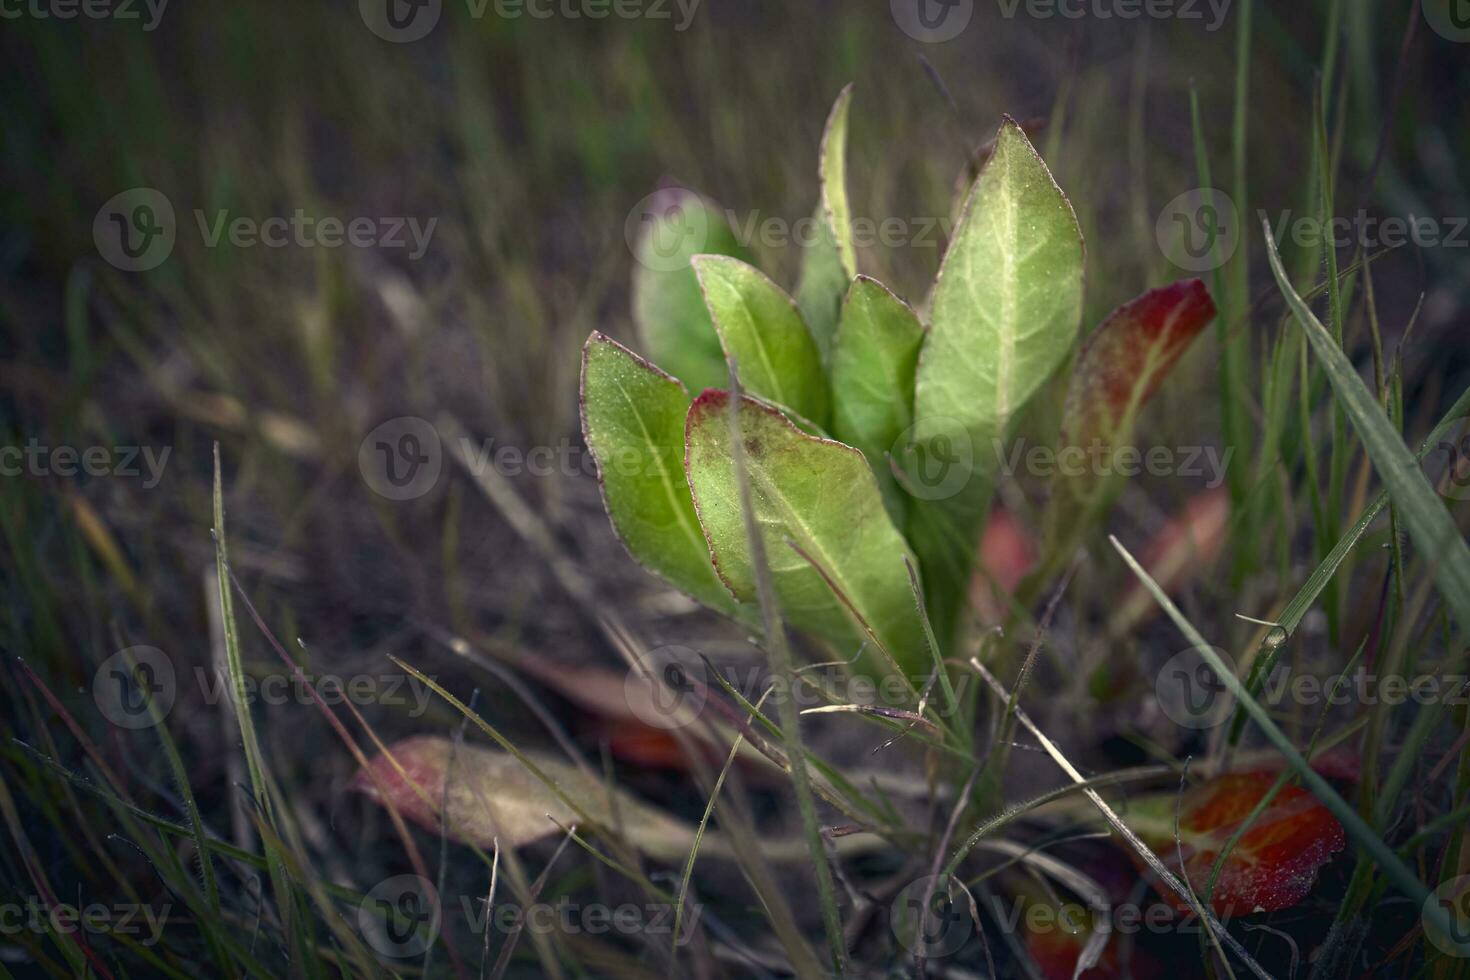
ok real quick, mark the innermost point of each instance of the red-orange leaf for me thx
(1127, 358)
(1274, 863)
(1120, 368)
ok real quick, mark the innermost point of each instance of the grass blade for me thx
(1428, 522)
(781, 665)
(280, 884)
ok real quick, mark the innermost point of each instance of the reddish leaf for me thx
(1055, 953)
(1127, 358)
(1274, 863)
(1182, 550)
(1057, 935)
(1120, 368)
(1007, 555)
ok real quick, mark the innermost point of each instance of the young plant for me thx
(869, 434)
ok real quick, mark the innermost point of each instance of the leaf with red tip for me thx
(1119, 369)
(1271, 867)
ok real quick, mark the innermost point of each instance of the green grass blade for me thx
(1428, 522)
(280, 884)
(782, 666)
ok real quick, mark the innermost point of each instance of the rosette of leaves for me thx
(868, 432)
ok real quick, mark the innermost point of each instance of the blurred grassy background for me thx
(529, 142)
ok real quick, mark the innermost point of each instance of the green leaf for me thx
(873, 357)
(633, 421)
(1004, 314)
(820, 496)
(1429, 524)
(819, 290)
(764, 334)
(673, 323)
(830, 262)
